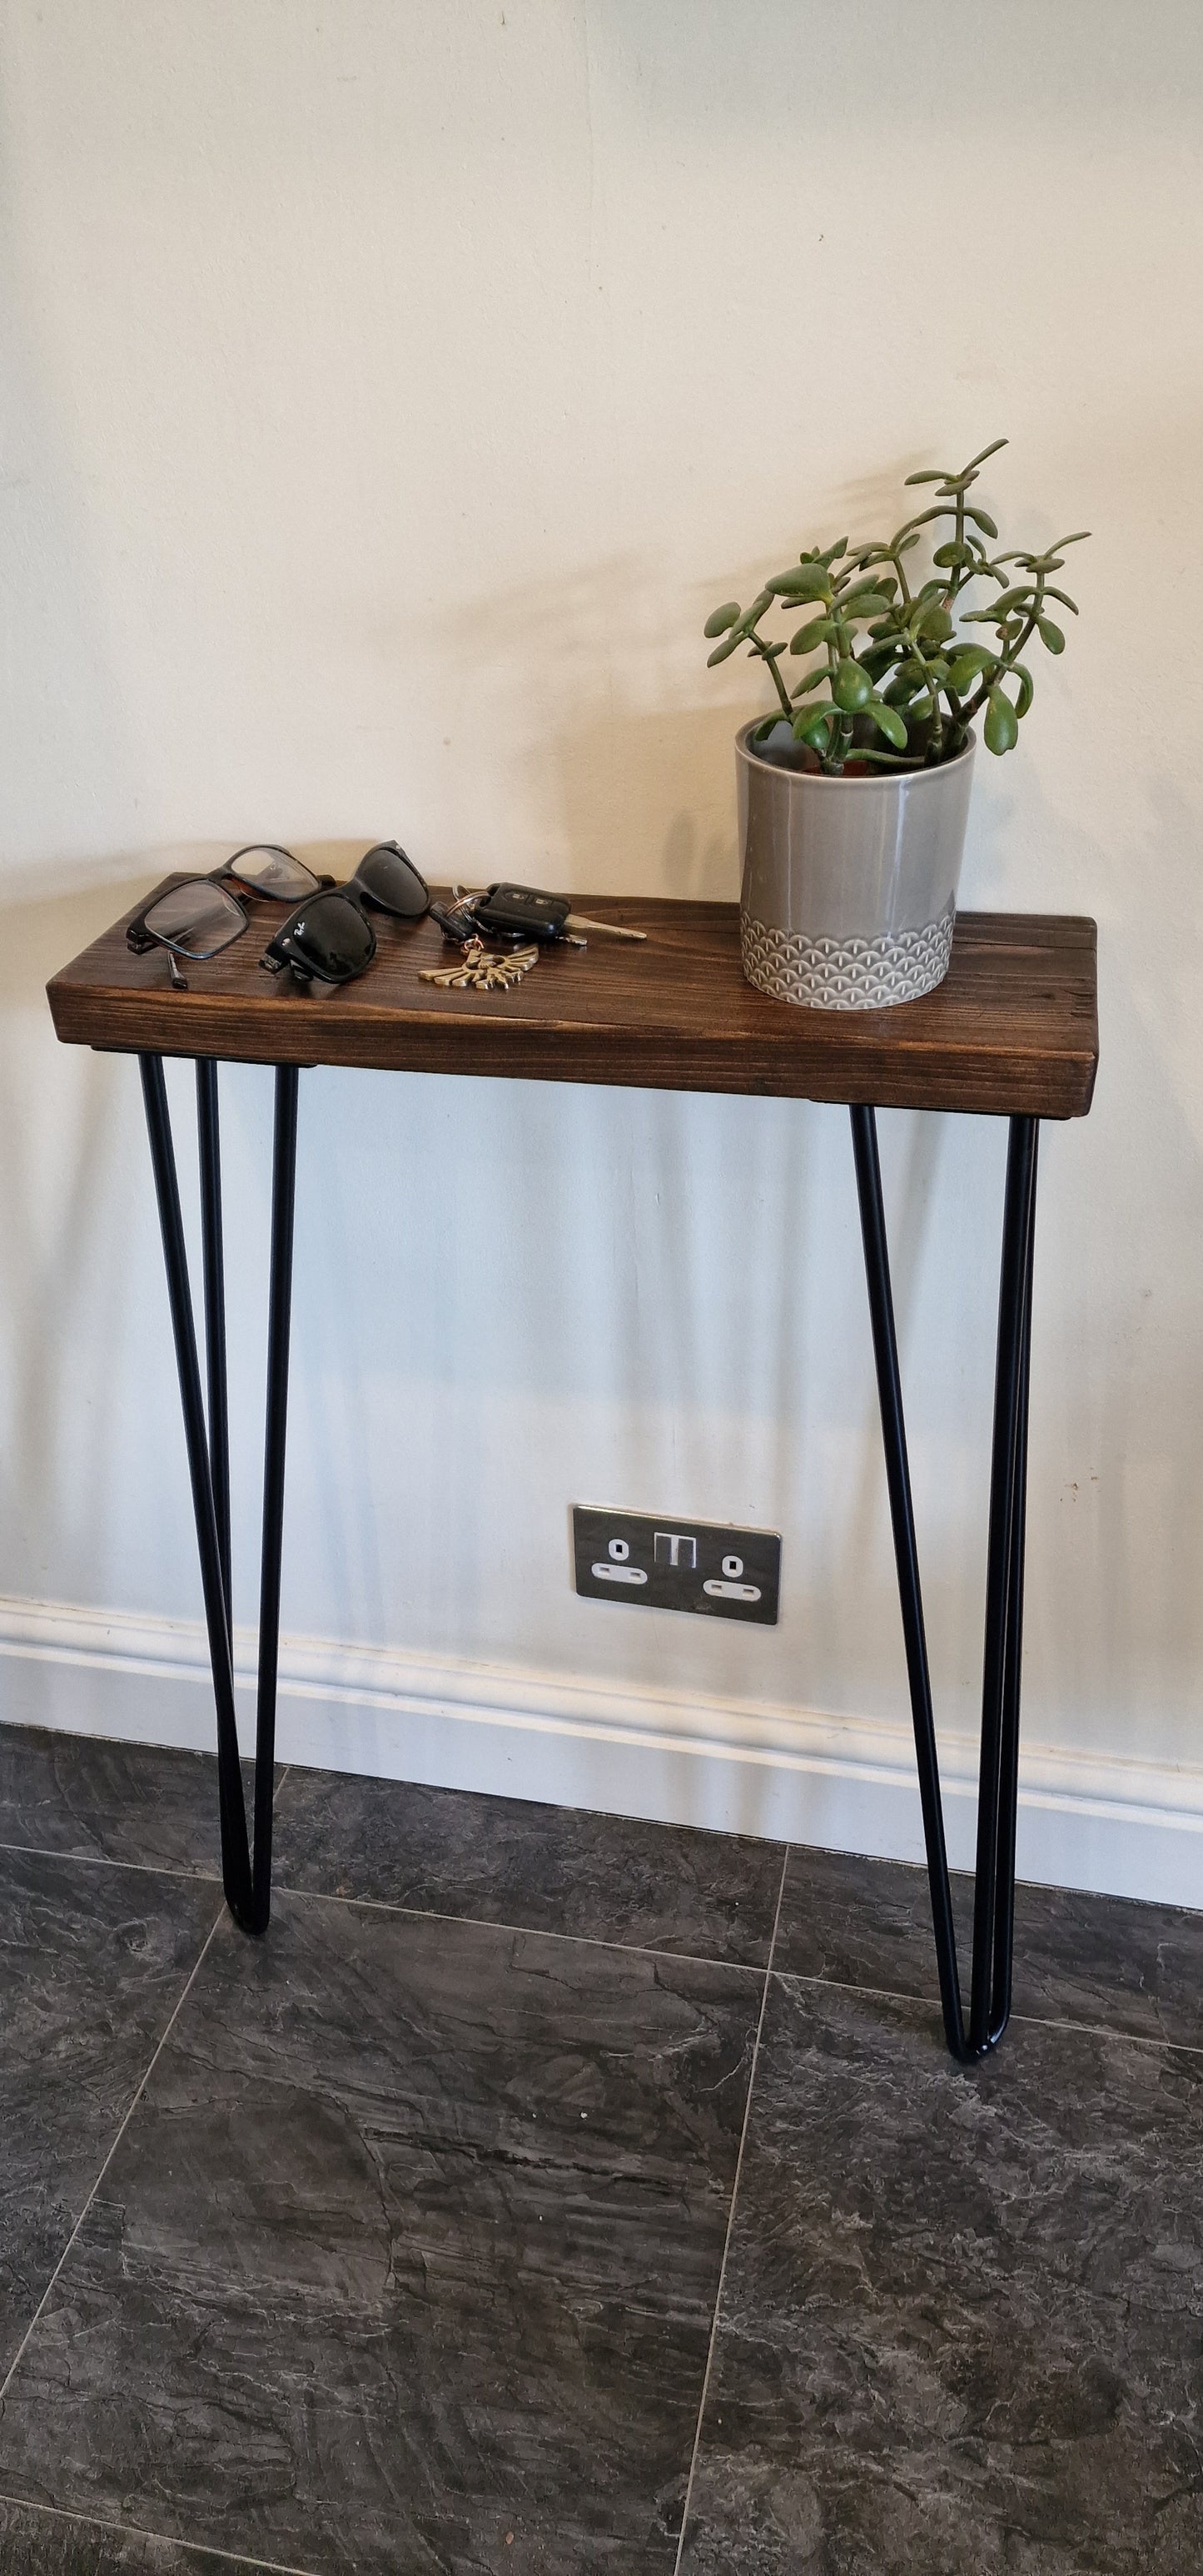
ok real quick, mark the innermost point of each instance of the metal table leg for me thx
(994, 1889)
(247, 1881)
(247, 1878)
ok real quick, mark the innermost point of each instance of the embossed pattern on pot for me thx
(846, 975)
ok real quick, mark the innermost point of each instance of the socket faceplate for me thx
(655, 1562)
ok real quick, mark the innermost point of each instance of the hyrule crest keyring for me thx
(480, 970)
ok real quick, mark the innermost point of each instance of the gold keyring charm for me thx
(480, 970)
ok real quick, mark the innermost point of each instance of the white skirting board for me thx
(1085, 1820)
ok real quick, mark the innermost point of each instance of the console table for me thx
(1012, 1032)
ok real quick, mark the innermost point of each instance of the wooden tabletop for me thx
(1013, 1028)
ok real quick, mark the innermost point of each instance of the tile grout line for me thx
(133, 2105)
(1026, 2021)
(520, 1931)
(634, 1949)
(159, 2539)
(1107, 2030)
(109, 1860)
(106, 1860)
(722, 2273)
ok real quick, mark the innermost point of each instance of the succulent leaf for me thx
(819, 631)
(812, 726)
(969, 666)
(802, 581)
(721, 618)
(889, 722)
(935, 622)
(1002, 724)
(851, 687)
(877, 657)
(870, 603)
(983, 453)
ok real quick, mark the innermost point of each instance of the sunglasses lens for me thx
(392, 881)
(274, 872)
(198, 919)
(329, 938)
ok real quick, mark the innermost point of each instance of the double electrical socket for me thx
(653, 1562)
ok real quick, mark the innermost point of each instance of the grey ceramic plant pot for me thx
(849, 887)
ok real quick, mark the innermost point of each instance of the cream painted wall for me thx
(388, 392)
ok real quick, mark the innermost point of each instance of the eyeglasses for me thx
(329, 935)
(198, 916)
(326, 934)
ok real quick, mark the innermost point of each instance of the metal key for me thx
(608, 929)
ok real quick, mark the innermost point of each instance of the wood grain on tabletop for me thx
(1013, 1028)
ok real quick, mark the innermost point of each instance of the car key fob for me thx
(521, 911)
(457, 924)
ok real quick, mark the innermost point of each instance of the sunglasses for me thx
(329, 937)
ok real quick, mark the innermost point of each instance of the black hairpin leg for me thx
(247, 1885)
(994, 1892)
(209, 1143)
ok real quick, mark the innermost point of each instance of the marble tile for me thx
(1095, 1960)
(80, 1794)
(92, 1965)
(857, 1922)
(1105, 1960)
(545, 1869)
(962, 2320)
(408, 2258)
(35, 2543)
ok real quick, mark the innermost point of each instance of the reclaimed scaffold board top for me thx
(1013, 1030)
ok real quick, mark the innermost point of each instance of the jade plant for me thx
(899, 683)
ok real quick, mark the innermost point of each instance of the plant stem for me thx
(767, 654)
(1007, 660)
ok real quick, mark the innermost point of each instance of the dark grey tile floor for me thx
(550, 2193)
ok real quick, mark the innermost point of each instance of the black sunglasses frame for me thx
(284, 949)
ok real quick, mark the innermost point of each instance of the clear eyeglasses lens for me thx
(198, 920)
(268, 869)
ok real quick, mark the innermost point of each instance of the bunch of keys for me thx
(519, 914)
(480, 971)
(522, 917)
